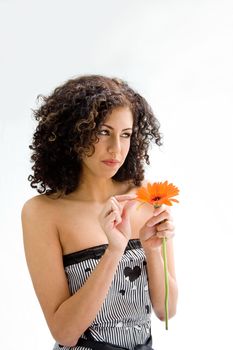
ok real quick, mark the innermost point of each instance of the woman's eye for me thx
(128, 135)
(101, 132)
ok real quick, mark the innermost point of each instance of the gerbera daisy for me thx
(157, 194)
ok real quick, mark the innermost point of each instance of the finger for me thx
(162, 208)
(165, 226)
(109, 221)
(165, 234)
(116, 217)
(106, 211)
(156, 219)
(113, 207)
(114, 200)
(165, 215)
(113, 218)
(126, 206)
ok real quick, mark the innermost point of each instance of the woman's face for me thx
(114, 143)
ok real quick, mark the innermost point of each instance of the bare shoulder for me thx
(39, 210)
(38, 202)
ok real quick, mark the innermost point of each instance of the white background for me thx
(179, 55)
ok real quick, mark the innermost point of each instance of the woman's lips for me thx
(111, 164)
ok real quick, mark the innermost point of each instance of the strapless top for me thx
(125, 316)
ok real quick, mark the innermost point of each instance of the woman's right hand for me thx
(115, 221)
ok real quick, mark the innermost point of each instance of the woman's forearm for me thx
(76, 314)
(155, 270)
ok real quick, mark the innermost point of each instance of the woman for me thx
(96, 267)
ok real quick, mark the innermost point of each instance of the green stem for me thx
(166, 281)
(165, 273)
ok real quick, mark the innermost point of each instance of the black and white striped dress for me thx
(125, 316)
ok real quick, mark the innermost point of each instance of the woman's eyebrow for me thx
(110, 127)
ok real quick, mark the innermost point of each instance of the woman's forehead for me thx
(120, 115)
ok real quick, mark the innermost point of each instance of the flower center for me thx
(156, 198)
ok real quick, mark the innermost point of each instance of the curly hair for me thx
(68, 122)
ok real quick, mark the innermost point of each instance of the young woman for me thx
(96, 267)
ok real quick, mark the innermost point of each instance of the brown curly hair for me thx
(69, 120)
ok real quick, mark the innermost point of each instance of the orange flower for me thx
(158, 193)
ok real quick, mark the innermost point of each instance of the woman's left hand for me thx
(152, 233)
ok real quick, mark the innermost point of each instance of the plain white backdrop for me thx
(179, 55)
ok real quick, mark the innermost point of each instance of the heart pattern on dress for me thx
(132, 274)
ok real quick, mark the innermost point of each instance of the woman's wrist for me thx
(155, 251)
(115, 251)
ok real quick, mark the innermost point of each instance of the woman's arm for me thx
(77, 312)
(67, 316)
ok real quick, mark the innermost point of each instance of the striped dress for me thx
(125, 316)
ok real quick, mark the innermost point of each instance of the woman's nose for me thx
(115, 145)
